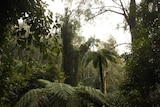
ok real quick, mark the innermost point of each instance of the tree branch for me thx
(121, 7)
(107, 7)
(125, 13)
(120, 45)
(116, 3)
(108, 10)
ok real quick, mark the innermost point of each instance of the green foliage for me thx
(115, 99)
(141, 74)
(100, 59)
(29, 97)
(142, 67)
(32, 12)
(91, 94)
(106, 55)
(61, 95)
(69, 54)
(115, 75)
(23, 63)
(63, 91)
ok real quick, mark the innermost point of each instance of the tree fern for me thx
(61, 95)
(100, 59)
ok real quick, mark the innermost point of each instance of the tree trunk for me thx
(132, 19)
(2, 37)
(70, 60)
(101, 73)
(67, 48)
(105, 82)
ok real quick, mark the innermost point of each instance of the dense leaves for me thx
(27, 48)
(62, 95)
(143, 63)
(33, 12)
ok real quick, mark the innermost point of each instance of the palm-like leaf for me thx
(61, 95)
(92, 95)
(106, 55)
(31, 98)
(46, 83)
(88, 57)
(61, 90)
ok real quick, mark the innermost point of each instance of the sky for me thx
(102, 27)
(107, 26)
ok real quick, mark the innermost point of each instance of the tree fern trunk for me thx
(105, 82)
(101, 73)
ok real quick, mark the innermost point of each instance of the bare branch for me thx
(119, 6)
(106, 7)
(120, 45)
(108, 10)
(125, 13)
(116, 3)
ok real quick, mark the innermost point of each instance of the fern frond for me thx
(91, 94)
(61, 90)
(74, 101)
(88, 57)
(29, 97)
(41, 100)
(46, 83)
(110, 55)
(62, 95)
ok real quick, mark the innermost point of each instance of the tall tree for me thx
(71, 53)
(118, 7)
(142, 64)
(68, 32)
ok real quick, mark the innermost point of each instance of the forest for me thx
(46, 62)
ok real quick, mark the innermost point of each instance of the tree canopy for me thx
(32, 12)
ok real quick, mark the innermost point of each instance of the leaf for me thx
(91, 94)
(28, 98)
(88, 57)
(63, 91)
(95, 64)
(58, 25)
(46, 83)
(61, 95)
(19, 64)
